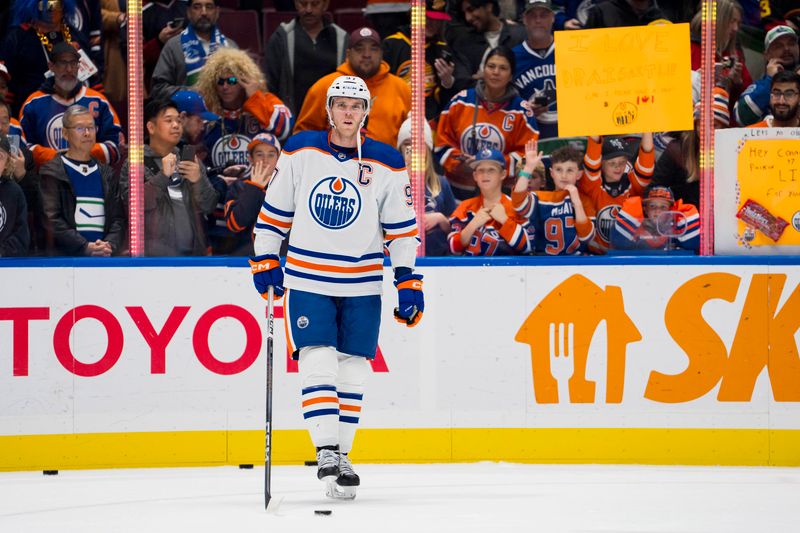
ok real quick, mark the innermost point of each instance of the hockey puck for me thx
(245, 467)
(50, 472)
(323, 512)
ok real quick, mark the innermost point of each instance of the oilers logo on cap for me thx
(335, 202)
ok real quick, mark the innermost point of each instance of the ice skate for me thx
(338, 492)
(344, 486)
(328, 464)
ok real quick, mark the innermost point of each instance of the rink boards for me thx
(613, 360)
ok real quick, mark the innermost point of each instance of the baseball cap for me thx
(614, 147)
(4, 71)
(437, 10)
(489, 154)
(776, 33)
(364, 33)
(192, 103)
(405, 133)
(658, 192)
(62, 48)
(264, 138)
(530, 4)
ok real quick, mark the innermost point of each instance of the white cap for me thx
(405, 133)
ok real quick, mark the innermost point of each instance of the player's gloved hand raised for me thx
(266, 270)
(410, 299)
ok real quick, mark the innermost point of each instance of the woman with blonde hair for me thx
(439, 200)
(729, 59)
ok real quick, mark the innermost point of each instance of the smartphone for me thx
(176, 22)
(540, 100)
(13, 141)
(187, 153)
(447, 55)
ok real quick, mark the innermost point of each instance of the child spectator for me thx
(245, 196)
(655, 221)
(14, 236)
(556, 218)
(439, 200)
(609, 179)
(487, 224)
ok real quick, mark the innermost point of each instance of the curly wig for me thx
(30, 10)
(226, 62)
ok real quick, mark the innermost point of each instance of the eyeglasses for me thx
(83, 130)
(61, 63)
(230, 80)
(787, 95)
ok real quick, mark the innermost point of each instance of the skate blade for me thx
(337, 492)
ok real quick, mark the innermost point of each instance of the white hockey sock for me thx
(318, 370)
(353, 372)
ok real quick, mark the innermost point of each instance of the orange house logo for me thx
(560, 329)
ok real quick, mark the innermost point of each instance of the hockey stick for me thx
(268, 425)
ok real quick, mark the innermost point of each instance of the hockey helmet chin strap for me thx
(349, 87)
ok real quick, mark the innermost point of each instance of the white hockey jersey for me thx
(340, 216)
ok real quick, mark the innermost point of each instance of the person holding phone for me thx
(535, 75)
(159, 25)
(14, 235)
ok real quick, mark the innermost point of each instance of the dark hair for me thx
(503, 51)
(481, 3)
(156, 107)
(566, 153)
(786, 76)
(8, 108)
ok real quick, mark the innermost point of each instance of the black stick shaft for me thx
(268, 425)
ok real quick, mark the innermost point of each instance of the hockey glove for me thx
(266, 270)
(410, 298)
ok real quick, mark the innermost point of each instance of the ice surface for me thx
(483, 497)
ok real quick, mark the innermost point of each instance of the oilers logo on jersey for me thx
(55, 132)
(604, 221)
(230, 149)
(485, 136)
(334, 202)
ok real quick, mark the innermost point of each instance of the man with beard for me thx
(391, 96)
(309, 40)
(535, 75)
(184, 55)
(781, 52)
(784, 97)
(41, 115)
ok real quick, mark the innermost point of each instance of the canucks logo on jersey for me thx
(485, 136)
(334, 202)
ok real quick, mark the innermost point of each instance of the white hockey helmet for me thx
(349, 87)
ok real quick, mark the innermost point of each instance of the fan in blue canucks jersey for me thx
(535, 74)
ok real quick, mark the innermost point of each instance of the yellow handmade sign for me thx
(768, 178)
(623, 80)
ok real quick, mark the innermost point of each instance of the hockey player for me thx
(557, 218)
(650, 222)
(345, 197)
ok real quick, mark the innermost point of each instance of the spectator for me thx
(176, 193)
(784, 99)
(391, 95)
(245, 196)
(487, 224)
(184, 55)
(483, 30)
(81, 197)
(27, 46)
(4, 77)
(161, 21)
(679, 165)
(28, 179)
(41, 115)
(655, 221)
(572, 14)
(439, 200)
(387, 15)
(781, 52)
(535, 73)
(14, 236)
(780, 13)
(115, 83)
(556, 219)
(195, 118)
(729, 54)
(617, 13)
(439, 63)
(609, 179)
(491, 115)
(309, 40)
